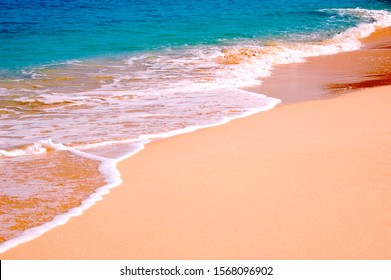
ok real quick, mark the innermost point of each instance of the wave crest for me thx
(36, 148)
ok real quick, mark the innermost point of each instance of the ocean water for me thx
(85, 84)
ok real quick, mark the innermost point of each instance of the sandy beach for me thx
(305, 180)
(314, 187)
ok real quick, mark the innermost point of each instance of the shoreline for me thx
(245, 123)
(329, 76)
(189, 197)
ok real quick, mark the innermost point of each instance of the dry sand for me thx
(309, 180)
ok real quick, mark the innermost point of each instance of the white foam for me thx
(265, 58)
(37, 148)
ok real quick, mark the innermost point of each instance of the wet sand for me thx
(331, 75)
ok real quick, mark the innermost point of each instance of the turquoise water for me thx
(34, 32)
(85, 84)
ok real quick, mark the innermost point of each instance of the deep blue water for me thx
(35, 32)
